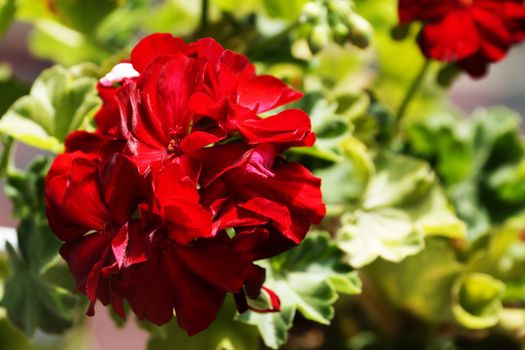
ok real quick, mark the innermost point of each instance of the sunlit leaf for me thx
(59, 102)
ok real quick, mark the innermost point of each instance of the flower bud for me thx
(340, 32)
(341, 7)
(360, 31)
(312, 11)
(320, 36)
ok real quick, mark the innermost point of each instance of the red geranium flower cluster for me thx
(183, 185)
(470, 33)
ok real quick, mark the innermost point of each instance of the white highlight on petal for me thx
(120, 72)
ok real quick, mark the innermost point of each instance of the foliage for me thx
(307, 279)
(423, 245)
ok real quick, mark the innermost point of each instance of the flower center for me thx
(174, 144)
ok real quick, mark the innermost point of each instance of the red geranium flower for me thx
(470, 33)
(183, 185)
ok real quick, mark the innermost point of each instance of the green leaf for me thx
(31, 301)
(480, 161)
(273, 327)
(11, 88)
(347, 180)
(509, 183)
(398, 180)
(385, 232)
(402, 204)
(477, 300)
(420, 284)
(59, 102)
(84, 16)
(306, 278)
(434, 215)
(501, 254)
(445, 140)
(7, 12)
(26, 189)
(223, 334)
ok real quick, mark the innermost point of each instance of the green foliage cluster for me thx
(423, 246)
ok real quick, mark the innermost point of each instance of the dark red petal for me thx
(254, 281)
(476, 66)
(261, 243)
(73, 202)
(233, 215)
(148, 288)
(123, 188)
(425, 10)
(130, 245)
(196, 302)
(85, 259)
(220, 266)
(85, 142)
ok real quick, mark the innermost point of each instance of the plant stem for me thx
(411, 93)
(6, 157)
(205, 5)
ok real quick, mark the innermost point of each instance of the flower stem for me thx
(205, 5)
(411, 93)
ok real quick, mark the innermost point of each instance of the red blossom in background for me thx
(470, 33)
(183, 184)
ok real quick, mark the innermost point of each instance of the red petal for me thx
(199, 139)
(187, 221)
(495, 37)
(451, 39)
(291, 126)
(265, 92)
(277, 212)
(153, 46)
